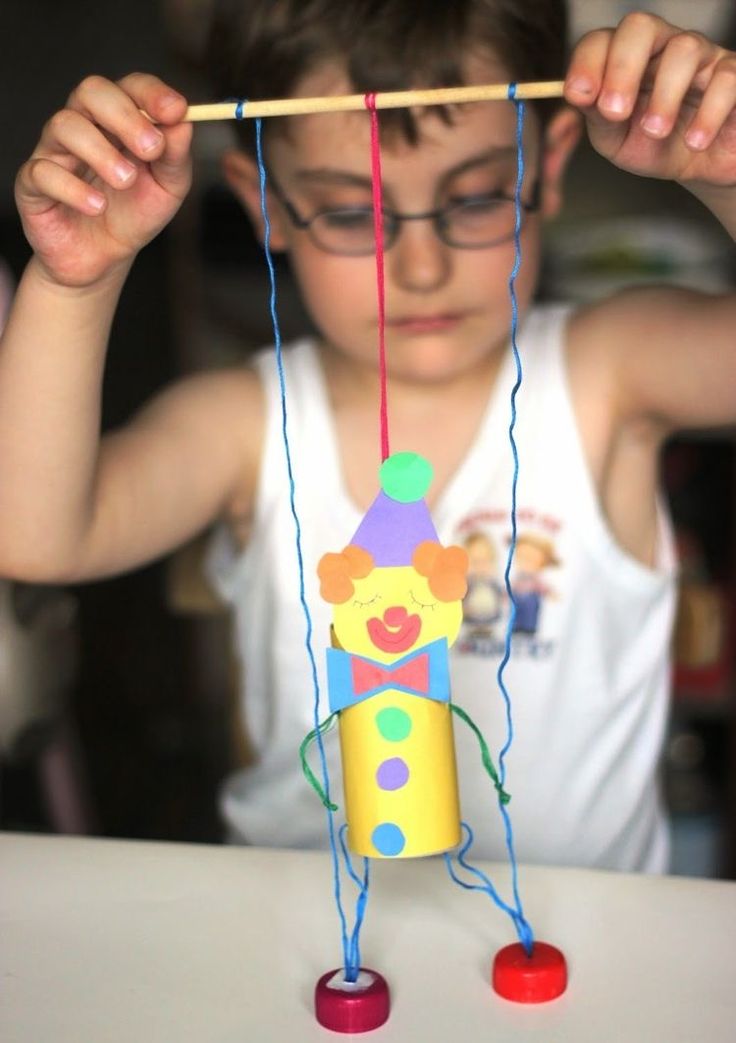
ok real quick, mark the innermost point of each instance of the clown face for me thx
(392, 611)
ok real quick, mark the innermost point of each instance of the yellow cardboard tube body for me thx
(400, 776)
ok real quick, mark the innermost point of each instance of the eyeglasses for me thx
(470, 223)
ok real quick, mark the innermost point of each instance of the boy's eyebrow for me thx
(335, 177)
(491, 155)
(328, 175)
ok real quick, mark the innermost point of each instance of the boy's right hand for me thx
(103, 180)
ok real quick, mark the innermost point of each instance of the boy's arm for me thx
(75, 508)
(661, 102)
(101, 183)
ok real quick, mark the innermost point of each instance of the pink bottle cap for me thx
(357, 1006)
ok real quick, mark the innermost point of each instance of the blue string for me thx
(361, 900)
(351, 968)
(523, 929)
(520, 112)
(514, 451)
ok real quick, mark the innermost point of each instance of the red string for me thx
(370, 104)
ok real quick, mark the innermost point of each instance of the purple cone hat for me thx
(398, 519)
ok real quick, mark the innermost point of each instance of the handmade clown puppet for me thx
(397, 597)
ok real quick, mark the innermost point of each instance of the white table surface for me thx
(104, 941)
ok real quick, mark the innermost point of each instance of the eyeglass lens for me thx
(471, 223)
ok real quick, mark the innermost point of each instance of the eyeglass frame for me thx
(435, 216)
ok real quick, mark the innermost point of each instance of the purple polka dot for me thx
(392, 774)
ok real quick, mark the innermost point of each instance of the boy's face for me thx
(447, 308)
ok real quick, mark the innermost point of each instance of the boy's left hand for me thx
(658, 101)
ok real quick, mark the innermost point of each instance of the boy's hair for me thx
(265, 48)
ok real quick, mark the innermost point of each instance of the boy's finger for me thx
(41, 184)
(173, 169)
(587, 65)
(117, 108)
(718, 104)
(638, 39)
(162, 103)
(70, 140)
(115, 111)
(679, 63)
(608, 65)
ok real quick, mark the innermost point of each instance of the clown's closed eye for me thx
(421, 604)
(370, 601)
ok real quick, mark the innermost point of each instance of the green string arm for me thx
(309, 774)
(504, 797)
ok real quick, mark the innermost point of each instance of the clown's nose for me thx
(395, 616)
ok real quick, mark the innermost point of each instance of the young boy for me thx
(603, 386)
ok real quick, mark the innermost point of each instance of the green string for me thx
(484, 752)
(309, 774)
(329, 722)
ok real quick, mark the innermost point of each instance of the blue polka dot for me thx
(388, 839)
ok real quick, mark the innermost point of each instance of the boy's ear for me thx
(242, 175)
(560, 138)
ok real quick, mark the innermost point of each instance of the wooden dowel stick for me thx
(389, 100)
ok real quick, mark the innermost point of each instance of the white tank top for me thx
(589, 671)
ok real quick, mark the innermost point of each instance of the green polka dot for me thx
(393, 724)
(405, 477)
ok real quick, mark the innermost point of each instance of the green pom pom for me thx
(405, 477)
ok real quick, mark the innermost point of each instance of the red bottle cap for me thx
(351, 1006)
(529, 979)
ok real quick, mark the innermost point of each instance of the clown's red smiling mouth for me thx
(396, 632)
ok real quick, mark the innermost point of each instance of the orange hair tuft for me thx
(337, 572)
(444, 567)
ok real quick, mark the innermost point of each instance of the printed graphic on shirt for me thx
(486, 535)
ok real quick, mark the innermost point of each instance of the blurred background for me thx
(116, 698)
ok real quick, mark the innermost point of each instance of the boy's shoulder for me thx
(221, 410)
(605, 337)
(633, 360)
(227, 406)
(223, 389)
(633, 311)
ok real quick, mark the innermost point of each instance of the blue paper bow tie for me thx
(352, 679)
